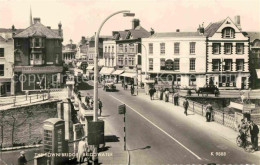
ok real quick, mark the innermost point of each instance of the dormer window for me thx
(228, 32)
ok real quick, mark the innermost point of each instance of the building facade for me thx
(227, 55)
(7, 60)
(69, 52)
(38, 57)
(176, 59)
(82, 49)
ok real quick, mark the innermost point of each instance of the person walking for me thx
(209, 110)
(100, 105)
(79, 96)
(82, 149)
(154, 90)
(87, 98)
(254, 130)
(22, 160)
(151, 92)
(161, 93)
(167, 95)
(177, 98)
(123, 84)
(174, 98)
(132, 89)
(185, 106)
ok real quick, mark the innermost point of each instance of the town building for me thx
(82, 49)
(175, 59)
(69, 52)
(227, 55)
(254, 59)
(7, 60)
(128, 51)
(38, 57)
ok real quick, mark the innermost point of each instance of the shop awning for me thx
(79, 64)
(131, 75)
(106, 71)
(90, 67)
(42, 69)
(117, 72)
(258, 73)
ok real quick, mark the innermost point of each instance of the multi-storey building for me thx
(128, 50)
(176, 58)
(38, 57)
(68, 53)
(254, 59)
(227, 55)
(82, 49)
(7, 60)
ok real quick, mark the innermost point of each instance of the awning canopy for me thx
(117, 72)
(258, 73)
(79, 64)
(106, 71)
(90, 67)
(131, 75)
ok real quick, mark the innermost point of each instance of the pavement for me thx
(160, 133)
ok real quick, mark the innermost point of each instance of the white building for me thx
(177, 58)
(227, 55)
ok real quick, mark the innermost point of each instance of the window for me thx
(112, 49)
(150, 48)
(57, 58)
(150, 64)
(216, 48)
(125, 48)
(109, 49)
(8, 87)
(2, 52)
(240, 48)
(177, 64)
(162, 46)
(178, 80)
(228, 64)
(192, 64)
(2, 70)
(239, 64)
(176, 48)
(192, 47)
(228, 48)
(125, 60)
(192, 80)
(120, 48)
(131, 48)
(228, 32)
(37, 42)
(120, 61)
(105, 49)
(131, 61)
(162, 64)
(216, 64)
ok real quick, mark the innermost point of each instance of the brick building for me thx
(38, 57)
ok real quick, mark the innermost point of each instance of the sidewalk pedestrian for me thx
(82, 149)
(177, 98)
(79, 96)
(22, 160)
(151, 92)
(209, 110)
(123, 84)
(132, 89)
(167, 95)
(254, 130)
(154, 91)
(185, 106)
(87, 98)
(161, 93)
(100, 105)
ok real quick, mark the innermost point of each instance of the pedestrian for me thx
(185, 106)
(161, 93)
(100, 105)
(82, 149)
(79, 96)
(174, 98)
(87, 98)
(167, 95)
(104, 84)
(177, 98)
(123, 84)
(22, 160)
(154, 90)
(151, 93)
(254, 130)
(209, 110)
(132, 89)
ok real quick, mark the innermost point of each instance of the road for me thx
(157, 135)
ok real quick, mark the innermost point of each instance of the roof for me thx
(4, 30)
(252, 35)
(138, 32)
(212, 28)
(38, 29)
(177, 34)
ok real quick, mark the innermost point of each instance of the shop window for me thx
(2, 70)
(162, 64)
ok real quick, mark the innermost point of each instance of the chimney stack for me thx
(135, 23)
(177, 30)
(60, 29)
(237, 21)
(36, 20)
(13, 30)
(152, 31)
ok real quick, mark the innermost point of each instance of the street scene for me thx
(129, 82)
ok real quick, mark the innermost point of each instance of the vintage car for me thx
(109, 86)
(208, 89)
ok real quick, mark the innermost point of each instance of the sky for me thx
(83, 17)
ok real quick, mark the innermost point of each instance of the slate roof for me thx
(138, 32)
(253, 35)
(212, 28)
(177, 34)
(38, 29)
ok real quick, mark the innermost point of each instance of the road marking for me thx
(159, 128)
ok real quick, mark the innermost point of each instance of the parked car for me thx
(109, 86)
(208, 89)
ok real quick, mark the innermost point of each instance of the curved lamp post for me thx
(95, 117)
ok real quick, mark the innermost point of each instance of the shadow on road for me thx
(85, 86)
(147, 147)
(111, 138)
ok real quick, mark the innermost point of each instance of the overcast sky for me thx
(83, 17)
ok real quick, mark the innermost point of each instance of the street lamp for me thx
(95, 117)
